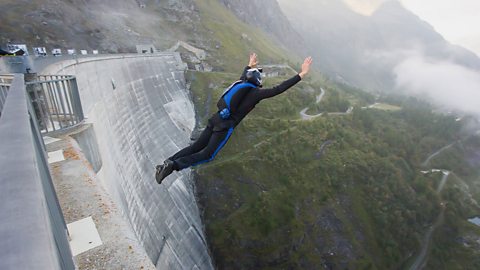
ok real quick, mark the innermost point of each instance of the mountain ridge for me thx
(362, 48)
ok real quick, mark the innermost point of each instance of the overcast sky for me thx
(458, 21)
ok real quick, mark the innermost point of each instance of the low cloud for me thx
(443, 83)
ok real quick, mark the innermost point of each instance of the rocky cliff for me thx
(267, 15)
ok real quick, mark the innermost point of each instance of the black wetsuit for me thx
(218, 130)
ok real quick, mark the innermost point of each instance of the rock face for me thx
(266, 15)
(95, 25)
(141, 114)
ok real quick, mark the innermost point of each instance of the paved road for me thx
(425, 163)
(304, 114)
(422, 257)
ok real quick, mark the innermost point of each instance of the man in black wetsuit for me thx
(237, 102)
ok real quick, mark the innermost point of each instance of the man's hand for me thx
(306, 67)
(253, 60)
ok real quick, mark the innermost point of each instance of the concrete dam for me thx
(139, 113)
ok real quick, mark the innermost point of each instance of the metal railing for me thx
(5, 82)
(56, 102)
(33, 232)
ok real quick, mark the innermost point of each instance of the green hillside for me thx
(235, 39)
(341, 191)
(274, 198)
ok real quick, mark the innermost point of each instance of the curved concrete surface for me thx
(141, 113)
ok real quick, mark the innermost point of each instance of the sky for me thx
(457, 21)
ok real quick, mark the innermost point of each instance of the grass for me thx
(386, 107)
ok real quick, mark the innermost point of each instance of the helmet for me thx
(254, 76)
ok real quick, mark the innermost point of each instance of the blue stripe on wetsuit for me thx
(231, 92)
(222, 144)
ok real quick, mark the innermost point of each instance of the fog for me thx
(453, 19)
(392, 49)
(456, 20)
(444, 83)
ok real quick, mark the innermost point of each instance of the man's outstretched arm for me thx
(270, 92)
(252, 63)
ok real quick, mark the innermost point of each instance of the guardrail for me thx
(5, 82)
(33, 232)
(56, 102)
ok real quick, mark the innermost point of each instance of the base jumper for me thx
(237, 101)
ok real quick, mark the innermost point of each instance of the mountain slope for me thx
(363, 50)
(93, 24)
(339, 192)
(268, 16)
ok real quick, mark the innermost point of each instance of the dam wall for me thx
(140, 113)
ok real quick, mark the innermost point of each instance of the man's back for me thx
(255, 95)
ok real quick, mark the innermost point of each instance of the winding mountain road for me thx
(304, 114)
(425, 163)
(422, 257)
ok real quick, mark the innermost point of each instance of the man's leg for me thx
(197, 146)
(168, 166)
(216, 142)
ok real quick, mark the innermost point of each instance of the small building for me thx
(71, 51)
(95, 52)
(83, 52)
(143, 49)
